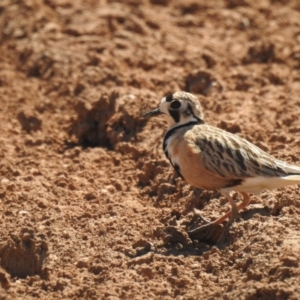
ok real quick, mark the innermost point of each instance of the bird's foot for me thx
(212, 232)
(209, 232)
(224, 237)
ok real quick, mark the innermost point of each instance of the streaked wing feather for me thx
(230, 156)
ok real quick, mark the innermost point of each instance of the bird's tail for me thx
(290, 179)
(259, 183)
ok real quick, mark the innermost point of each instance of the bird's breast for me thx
(186, 156)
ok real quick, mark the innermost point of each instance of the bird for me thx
(210, 158)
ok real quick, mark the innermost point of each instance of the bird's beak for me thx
(151, 113)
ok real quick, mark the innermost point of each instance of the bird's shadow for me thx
(199, 248)
(250, 212)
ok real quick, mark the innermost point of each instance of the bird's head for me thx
(180, 108)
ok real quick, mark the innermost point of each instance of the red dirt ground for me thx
(90, 207)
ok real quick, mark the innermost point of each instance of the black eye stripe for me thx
(175, 104)
(169, 97)
(175, 115)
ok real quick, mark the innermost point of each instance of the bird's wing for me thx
(230, 156)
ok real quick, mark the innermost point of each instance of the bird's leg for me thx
(246, 201)
(208, 230)
(234, 213)
(242, 205)
(234, 208)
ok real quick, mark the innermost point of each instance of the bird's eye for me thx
(175, 104)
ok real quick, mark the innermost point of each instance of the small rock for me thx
(23, 212)
(66, 235)
(142, 247)
(34, 171)
(290, 261)
(90, 196)
(145, 259)
(26, 237)
(42, 204)
(83, 263)
(11, 187)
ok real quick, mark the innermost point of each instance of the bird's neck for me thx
(185, 121)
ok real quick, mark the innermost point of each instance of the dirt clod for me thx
(23, 255)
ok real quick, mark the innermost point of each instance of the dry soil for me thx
(89, 206)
